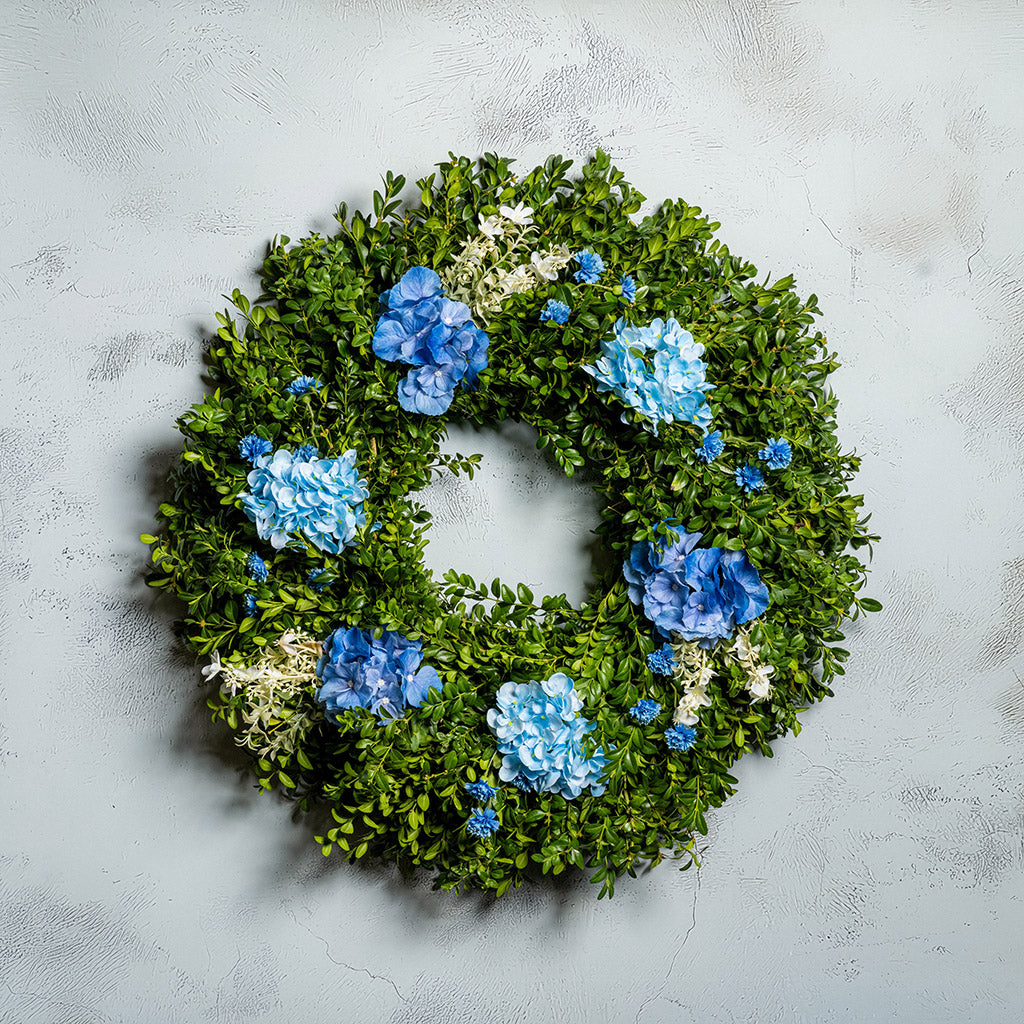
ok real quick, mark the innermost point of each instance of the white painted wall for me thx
(873, 869)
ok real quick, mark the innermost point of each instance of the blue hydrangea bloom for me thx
(483, 823)
(712, 447)
(303, 386)
(311, 580)
(645, 711)
(249, 605)
(700, 593)
(628, 286)
(480, 790)
(777, 453)
(256, 568)
(591, 266)
(749, 478)
(555, 311)
(432, 334)
(320, 500)
(662, 662)
(307, 452)
(252, 446)
(656, 370)
(541, 736)
(680, 737)
(358, 670)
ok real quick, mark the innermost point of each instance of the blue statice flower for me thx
(303, 386)
(358, 670)
(556, 311)
(712, 447)
(320, 500)
(432, 334)
(480, 790)
(662, 662)
(645, 711)
(249, 605)
(591, 266)
(700, 593)
(749, 478)
(542, 736)
(307, 453)
(311, 580)
(252, 446)
(628, 286)
(777, 453)
(256, 568)
(656, 370)
(680, 737)
(483, 823)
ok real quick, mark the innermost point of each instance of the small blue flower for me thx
(777, 453)
(555, 311)
(712, 447)
(306, 453)
(522, 782)
(249, 604)
(303, 386)
(628, 286)
(591, 266)
(749, 478)
(252, 446)
(662, 662)
(311, 580)
(680, 737)
(645, 711)
(480, 790)
(256, 568)
(482, 823)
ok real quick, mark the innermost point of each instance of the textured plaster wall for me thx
(873, 869)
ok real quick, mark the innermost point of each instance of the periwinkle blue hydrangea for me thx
(777, 453)
(712, 447)
(303, 386)
(656, 370)
(541, 737)
(385, 674)
(318, 499)
(591, 267)
(680, 737)
(252, 446)
(645, 711)
(555, 311)
(483, 823)
(699, 593)
(435, 336)
(749, 478)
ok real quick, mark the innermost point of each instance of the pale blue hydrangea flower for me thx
(320, 500)
(656, 370)
(541, 736)
(777, 453)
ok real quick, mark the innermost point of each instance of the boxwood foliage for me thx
(395, 789)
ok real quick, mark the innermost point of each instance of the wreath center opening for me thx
(520, 518)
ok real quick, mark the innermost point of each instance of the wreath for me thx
(475, 730)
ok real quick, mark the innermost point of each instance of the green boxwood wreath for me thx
(395, 789)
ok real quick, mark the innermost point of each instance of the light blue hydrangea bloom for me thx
(749, 478)
(556, 311)
(645, 711)
(303, 386)
(680, 737)
(483, 823)
(385, 675)
(320, 500)
(541, 736)
(656, 370)
(712, 447)
(591, 267)
(777, 453)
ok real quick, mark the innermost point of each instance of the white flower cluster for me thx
(278, 693)
(749, 656)
(693, 673)
(491, 265)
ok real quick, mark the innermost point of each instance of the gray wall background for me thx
(873, 869)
